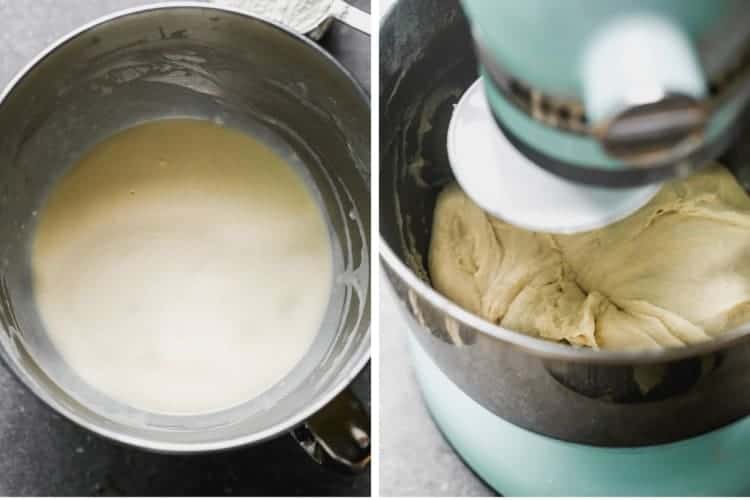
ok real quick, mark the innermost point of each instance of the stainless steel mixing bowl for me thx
(194, 60)
(577, 395)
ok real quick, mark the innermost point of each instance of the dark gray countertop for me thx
(41, 453)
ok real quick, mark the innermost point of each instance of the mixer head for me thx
(585, 107)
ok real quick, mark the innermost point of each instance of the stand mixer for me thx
(581, 110)
(594, 103)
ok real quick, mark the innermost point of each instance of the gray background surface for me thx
(43, 454)
(415, 459)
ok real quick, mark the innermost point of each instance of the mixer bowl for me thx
(582, 396)
(187, 60)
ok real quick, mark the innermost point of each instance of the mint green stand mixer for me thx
(593, 104)
(583, 108)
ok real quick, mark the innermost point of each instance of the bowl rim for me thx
(548, 349)
(158, 445)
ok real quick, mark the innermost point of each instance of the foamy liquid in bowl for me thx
(182, 267)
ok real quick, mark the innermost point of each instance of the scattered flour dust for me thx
(300, 15)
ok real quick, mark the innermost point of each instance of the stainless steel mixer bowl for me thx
(577, 395)
(188, 60)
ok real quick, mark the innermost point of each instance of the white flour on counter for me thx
(300, 15)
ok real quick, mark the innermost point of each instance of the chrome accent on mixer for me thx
(564, 113)
(627, 177)
(652, 133)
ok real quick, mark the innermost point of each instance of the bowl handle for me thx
(338, 436)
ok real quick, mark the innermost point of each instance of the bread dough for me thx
(181, 267)
(675, 273)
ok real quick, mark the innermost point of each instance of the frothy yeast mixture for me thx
(181, 267)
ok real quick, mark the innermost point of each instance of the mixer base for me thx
(518, 462)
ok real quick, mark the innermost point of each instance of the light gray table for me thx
(415, 459)
(41, 453)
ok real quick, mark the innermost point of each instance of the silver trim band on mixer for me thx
(563, 113)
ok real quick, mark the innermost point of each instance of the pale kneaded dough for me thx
(677, 272)
(182, 267)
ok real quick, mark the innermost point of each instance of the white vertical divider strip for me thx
(376, 11)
